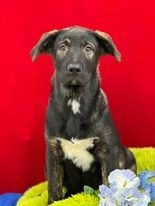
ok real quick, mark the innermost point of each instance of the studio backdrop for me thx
(25, 86)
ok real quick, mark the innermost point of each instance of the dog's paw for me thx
(50, 201)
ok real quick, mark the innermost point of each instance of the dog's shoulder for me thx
(100, 107)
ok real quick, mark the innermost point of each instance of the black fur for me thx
(76, 52)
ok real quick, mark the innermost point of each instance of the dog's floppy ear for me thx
(107, 44)
(44, 44)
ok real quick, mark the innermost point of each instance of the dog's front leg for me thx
(102, 156)
(54, 170)
(104, 172)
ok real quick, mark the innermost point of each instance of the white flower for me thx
(143, 200)
(106, 196)
(120, 179)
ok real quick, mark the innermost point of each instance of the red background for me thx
(25, 86)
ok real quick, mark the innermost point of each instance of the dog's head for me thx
(76, 52)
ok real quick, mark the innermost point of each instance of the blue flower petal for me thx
(152, 192)
(151, 174)
(143, 200)
(107, 202)
(104, 190)
(144, 178)
(106, 196)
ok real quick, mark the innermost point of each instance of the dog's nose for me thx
(74, 68)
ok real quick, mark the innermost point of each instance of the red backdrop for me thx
(25, 86)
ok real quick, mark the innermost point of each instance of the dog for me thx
(82, 144)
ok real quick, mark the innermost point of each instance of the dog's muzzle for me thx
(73, 77)
(74, 71)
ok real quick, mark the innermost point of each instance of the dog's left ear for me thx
(44, 45)
(107, 44)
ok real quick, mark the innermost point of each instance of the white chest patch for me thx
(77, 151)
(75, 105)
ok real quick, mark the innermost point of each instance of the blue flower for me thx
(144, 179)
(152, 191)
(146, 185)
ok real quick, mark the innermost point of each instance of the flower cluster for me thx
(125, 188)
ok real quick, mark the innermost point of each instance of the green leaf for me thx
(90, 191)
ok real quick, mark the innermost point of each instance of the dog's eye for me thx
(62, 47)
(88, 48)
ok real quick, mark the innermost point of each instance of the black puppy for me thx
(82, 142)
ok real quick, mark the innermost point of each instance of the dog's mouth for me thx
(73, 84)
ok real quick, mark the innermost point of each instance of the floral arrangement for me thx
(126, 189)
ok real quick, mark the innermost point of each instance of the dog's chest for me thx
(74, 105)
(78, 152)
(76, 122)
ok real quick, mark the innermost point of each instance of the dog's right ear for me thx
(44, 45)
